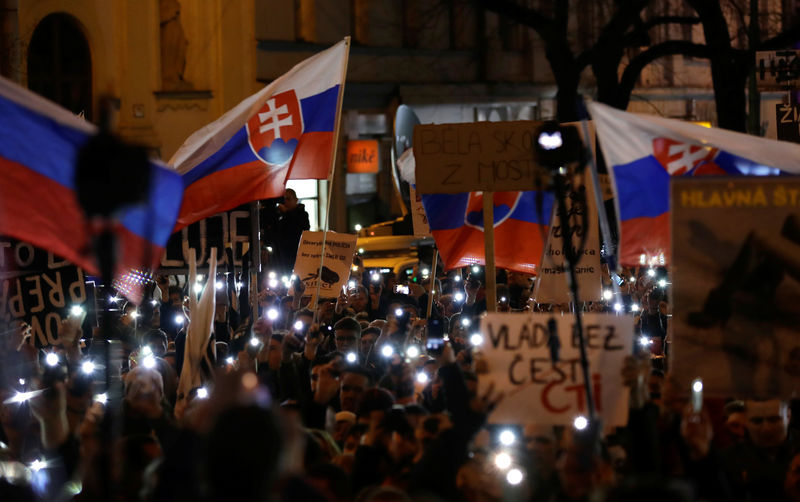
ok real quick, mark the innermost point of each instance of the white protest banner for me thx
(339, 250)
(551, 285)
(418, 216)
(518, 357)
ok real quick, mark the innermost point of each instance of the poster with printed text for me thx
(736, 285)
(339, 251)
(544, 391)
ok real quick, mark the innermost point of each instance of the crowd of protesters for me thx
(362, 397)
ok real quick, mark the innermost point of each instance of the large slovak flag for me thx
(520, 222)
(39, 145)
(285, 131)
(643, 151)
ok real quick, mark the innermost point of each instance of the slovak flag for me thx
(643, 151)
(520, 228)
(285, 131)
(39, 145)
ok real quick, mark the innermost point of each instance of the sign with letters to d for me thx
(39, 288)
(480, 156)
(537, 390)
(339, 251)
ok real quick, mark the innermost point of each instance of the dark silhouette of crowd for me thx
(363, 397)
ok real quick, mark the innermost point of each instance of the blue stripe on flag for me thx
(642, 188)
(319, 110)
(445, 211)
(39, 143)
(236, 151)
(155, 220)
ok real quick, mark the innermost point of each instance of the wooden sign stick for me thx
(488, 245)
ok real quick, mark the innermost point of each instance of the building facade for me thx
(171, 66)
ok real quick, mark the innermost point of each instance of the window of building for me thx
(60, 63)
(308, 194)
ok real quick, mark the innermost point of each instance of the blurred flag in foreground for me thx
(38, 194)
(285, 131)
(520, 228)
(643, 151)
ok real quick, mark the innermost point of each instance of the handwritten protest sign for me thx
(551, 285)
(39, 288)
(736, 294)
(537, 390)
(418, 216)
(339, 251)
(213, 232)
(480, 156)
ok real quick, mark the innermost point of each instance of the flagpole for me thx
(255, 259)
(433, 282)
(488, 243)
(331, 173)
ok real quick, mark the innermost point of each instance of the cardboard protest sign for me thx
(736, 293)
(213, 232)
(39, 288)
(551, 285)
(339, 251)
(418, 216)
(518, 355)
(480, 156)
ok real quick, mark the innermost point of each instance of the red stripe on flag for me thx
(38, 210)
(229, 188)
(518, 246)
(645, 235)
(312, 158)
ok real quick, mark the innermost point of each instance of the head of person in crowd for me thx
(326, 310)
(289, 200)
(767, 422)
(355, 381)
(368, 338)
(359, 299)
(374, 405)
(735, 421)
(175, 296)
(274, 350)
(343, 421)
(157, 340)
(347, 335)
(542, 447)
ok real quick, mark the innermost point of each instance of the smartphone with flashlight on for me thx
(434, 344)
(401, 289)
(697, 395)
